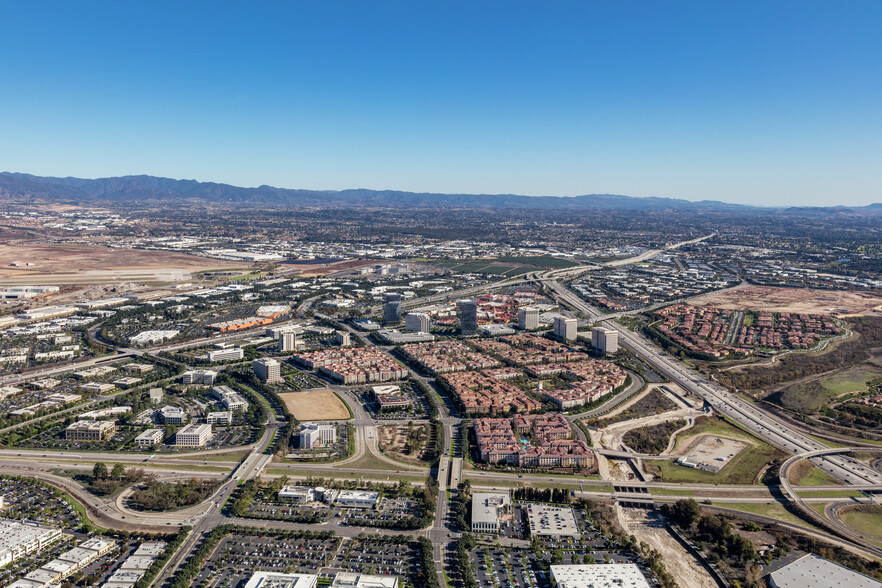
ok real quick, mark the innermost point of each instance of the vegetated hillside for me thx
(794, 366)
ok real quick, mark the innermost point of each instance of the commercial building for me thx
(551, 521)
(277, 580)
(390, 397)
(599, 576)
(813, 571)
(193, 435)
(172, 415)
(287, 341)
(199, 377)
(392, 308)
(358, 498)
(297, 494)
(528, 318)
(268, 370)
(24, 292)
(230, 399)
(565, 328)
(342, 338)
(90, 430)
(467, 316)
(104, 413)
(356, 580)
(231, 354)
(147, 337)
(66, 564)
(219, 418)
(150, 438)
(487, 507)
(417, 322)
(605, 340)
(316, 434)
(21, 538)
(396, 337)
(156, 395)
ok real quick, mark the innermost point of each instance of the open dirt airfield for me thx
(53, 263)
(798, 300)
(315, 405)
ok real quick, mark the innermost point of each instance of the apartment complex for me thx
(551, 445)
(353, 365)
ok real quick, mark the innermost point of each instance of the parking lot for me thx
(388, 513)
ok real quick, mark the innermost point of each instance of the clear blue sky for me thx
(767, 102)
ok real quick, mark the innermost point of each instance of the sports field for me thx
(315, 405)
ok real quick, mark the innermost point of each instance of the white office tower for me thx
(417, 322)
(268, 370)
(565, 328)
(287, 341)
(312, 434)
(528, 318)
(606, 340)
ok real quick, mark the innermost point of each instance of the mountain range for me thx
(145, 188)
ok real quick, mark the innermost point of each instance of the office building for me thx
(392, 308)
(287, 341)
(90, 430)
(230, 399)
(552, 521)
(316, 434)
(172, 415)
(268, 370)
(150, 438)
(813, 571)
(277, 580)
(417, 322)
(487, 507)
(219, 418)
(599, 576)
(357, 580)
(297, 494)
(342, 339)
(467, 316)
(358, 498)
(21, 538)
(605, 340)
(528, 318)
(199, 377)
(155, 395)
(193, 435)
(565, 328)
(231, 354)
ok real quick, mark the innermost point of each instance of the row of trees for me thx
(555, 495)
(104, 481)
(161, 496)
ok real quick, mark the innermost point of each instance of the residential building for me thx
(90, 430)
(528, 318)
(193, 435)
(565, 328)
(487, 508)
(268, 370)
(467, 316)
(316, 434)
(417, 322)
(150, 438)
(605, 340)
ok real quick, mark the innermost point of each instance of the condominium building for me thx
(417, 322)
(528, 318)
(90, 430)
(605, 340)
(268, 370)
(193, 435)
(565, 328)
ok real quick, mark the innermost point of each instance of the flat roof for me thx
(599, 576)
(552, 520)
(485, 506)
(813, 571)
(276, 580)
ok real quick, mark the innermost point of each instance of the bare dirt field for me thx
(315, 405)
(801, 300)
(308, 270)
(57, 262)
(678, 561)
(393, 439)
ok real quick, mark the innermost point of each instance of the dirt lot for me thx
(678, 561)
(801, 300)
(315, 405)
(393, 439)
(308, 270)
(65, 262)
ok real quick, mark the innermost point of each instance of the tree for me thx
(99, 471)
(118, 472)
(685, 512)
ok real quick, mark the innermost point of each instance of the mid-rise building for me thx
(287, 341)
(230, 399)
(150, 438)
(231, 354)
(219, 418)
(90, 430)
(565, 328)
(156, 395)
(467, 316)
(487, 507)
(342, 339)
(417, 322)
(172, 415)
(392, 308)
(193, 435)
(528, 318)
(199, 377)
(268, 370)
(605, 340)
(316, 434)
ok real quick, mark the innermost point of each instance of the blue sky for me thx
(772, 103)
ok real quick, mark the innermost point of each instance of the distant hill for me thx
(151, 188)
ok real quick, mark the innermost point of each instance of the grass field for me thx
(238, 455)
(807, 474)
(832, 494)
(772, 510)
(315, 405)
(867, 521)
(742, 469)
(853, 380)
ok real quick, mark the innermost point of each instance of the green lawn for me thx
(868, 523)
(832, 494)
(236, 456)
(816, 477)
(853, 380)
